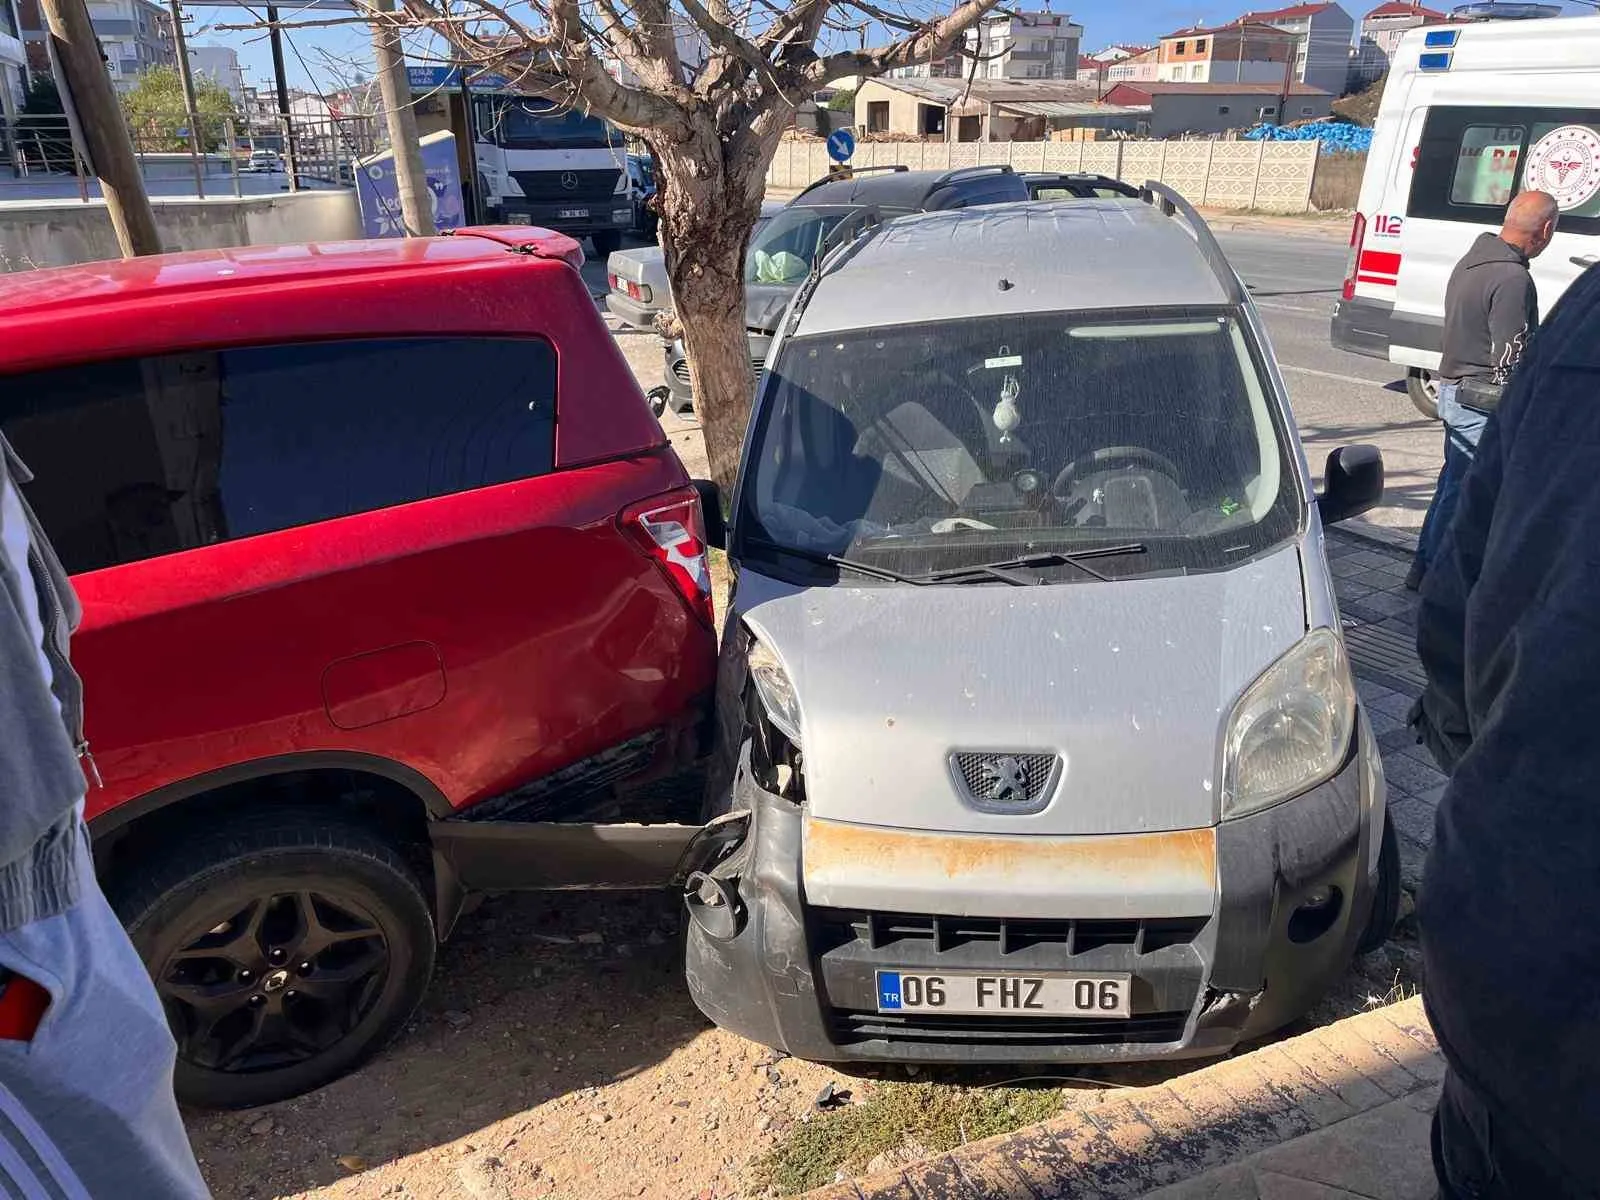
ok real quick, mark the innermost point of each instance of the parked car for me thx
(393, 591)
(817, 219)
(641, 190)
(263, 161)
(964, 817)
(1055, 185)
(637, 279)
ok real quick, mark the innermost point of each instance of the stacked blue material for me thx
(1336, 136)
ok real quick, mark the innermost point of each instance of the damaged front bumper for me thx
(1293, 889)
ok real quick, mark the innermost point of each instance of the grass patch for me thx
(932, 1117)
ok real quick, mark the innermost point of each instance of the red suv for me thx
(393, 591)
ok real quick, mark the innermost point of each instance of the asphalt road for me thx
(1338, 398)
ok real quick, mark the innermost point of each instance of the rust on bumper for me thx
(1172, 874)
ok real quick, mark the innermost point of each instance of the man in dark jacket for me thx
(1509, 633)
(1491, 308)
(86, 1058)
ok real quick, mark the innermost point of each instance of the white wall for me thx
(58, 233)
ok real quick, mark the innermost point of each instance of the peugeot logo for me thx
(1008, 782)
(569, 180)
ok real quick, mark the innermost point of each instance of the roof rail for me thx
(849, 173)
(1169, 203)
(963, 172)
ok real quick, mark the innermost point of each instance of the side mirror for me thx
(711, 512)
(1353, 483)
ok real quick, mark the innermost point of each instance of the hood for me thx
(765, 304)
(1489, 248)
(1128, 683)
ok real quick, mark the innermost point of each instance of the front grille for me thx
(839, 927)
(1004, 782)
(591, 187)
(849, 1026)
(680, 369)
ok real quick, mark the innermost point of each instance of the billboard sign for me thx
(379, 194)
(432, 79)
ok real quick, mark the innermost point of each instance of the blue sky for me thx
(1103, 21)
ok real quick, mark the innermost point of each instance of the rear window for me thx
(1472, 160)
(136, 458)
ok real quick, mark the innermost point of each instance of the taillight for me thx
(1358, 234)
(671, 531)
(639, 292)
(616, 284)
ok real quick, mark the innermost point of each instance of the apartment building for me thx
(1381, 30)
(13, 60)
(220, 64)
(1026, 45)
(1323, 36)
(1136, 68)
(134, 35)
(1243, 52)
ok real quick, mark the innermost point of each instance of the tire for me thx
(241, 890)
(1386, 897)
(1423, 388)
(606, 243)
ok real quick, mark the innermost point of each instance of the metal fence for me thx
(38, 158)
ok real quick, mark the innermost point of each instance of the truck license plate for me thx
(573, 214)
(963, 993)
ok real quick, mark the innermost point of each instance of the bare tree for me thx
(713, 130)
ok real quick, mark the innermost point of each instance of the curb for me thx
(1142, 1139)
(1378, 535)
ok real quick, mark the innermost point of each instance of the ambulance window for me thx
(1486, 164)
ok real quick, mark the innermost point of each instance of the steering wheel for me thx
(1101, 460)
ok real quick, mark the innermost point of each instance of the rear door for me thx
(1471, 159)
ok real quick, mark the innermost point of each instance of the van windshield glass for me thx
(930, 447)
(531, 125)
(785, 248)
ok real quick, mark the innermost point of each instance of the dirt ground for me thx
(558, 1055)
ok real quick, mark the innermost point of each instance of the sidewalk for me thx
(1340, 1112)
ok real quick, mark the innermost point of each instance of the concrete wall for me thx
(55, 233)
(1264, 176)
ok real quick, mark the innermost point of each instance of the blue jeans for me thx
(1462, 428)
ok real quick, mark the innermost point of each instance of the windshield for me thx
(535, 125)
(784, 250)
(930, 447)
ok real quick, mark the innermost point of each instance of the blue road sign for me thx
(841, 145)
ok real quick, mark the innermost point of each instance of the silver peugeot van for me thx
(1037, 737)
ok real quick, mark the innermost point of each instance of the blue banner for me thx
(379, 194)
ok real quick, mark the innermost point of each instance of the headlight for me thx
(1291, 728)
(622, 183)
(776, 691)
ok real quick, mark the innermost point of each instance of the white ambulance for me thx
(1471, 115)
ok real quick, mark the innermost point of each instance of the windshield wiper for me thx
(1048, 558)
(844, 564)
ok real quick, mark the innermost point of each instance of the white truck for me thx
(1472, 114)
(541, 163)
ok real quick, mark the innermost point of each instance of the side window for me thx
(1472, 160)
(136, 458)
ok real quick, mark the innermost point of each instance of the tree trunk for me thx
(707, 212)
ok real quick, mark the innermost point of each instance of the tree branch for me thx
(932, 40)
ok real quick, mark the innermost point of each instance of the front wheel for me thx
(286, 952)
(1423, 388)
(606, 243)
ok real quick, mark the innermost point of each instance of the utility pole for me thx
(190, 108)
(411, 181)
(291, 158)
(87, 90)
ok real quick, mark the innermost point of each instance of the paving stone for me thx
(1412, 857)
(1383, 723)
(1414, 819)
(1396, 740)
(1041, 1163)
(1371, 693)
(1396, 704)
(1382, 1154)
(1272, 1186)
(1234, 1182)
(1333, 1073)
(1415, 777)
